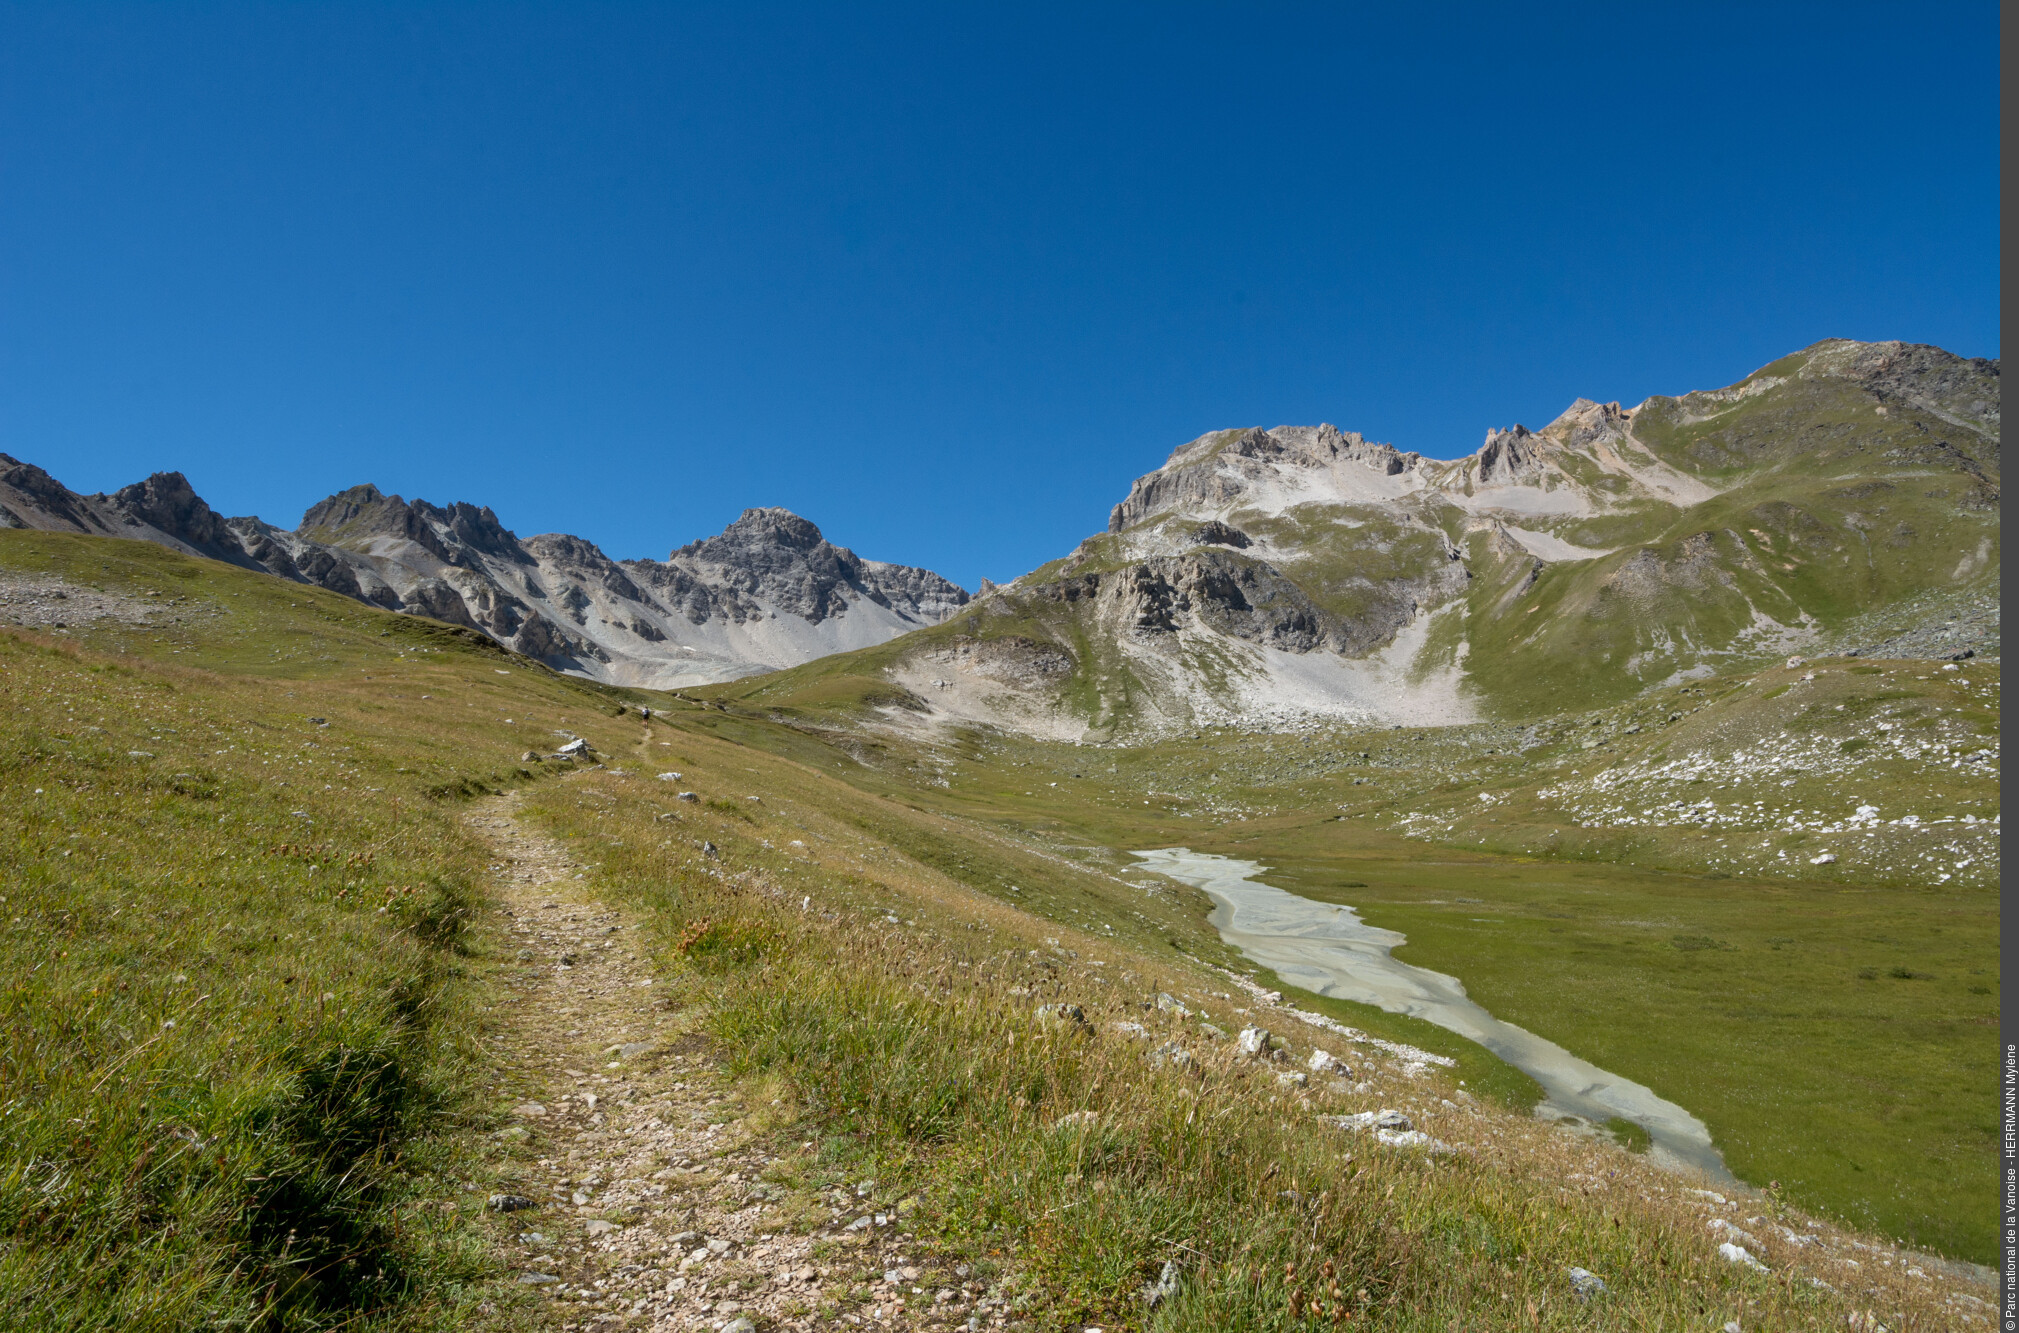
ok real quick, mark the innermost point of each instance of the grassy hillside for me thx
(240, 1014)
(232, 805)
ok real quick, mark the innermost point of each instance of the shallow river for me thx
(1327, 949)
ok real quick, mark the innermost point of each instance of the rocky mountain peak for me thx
(347, 507)
(775, 558)
(757, 530)
(167, 501)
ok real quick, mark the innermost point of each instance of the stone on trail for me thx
(530, 1110)
(509, 1203)
(537, 1279)
(740, 1324)
(598, 1227)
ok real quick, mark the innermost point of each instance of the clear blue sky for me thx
(942, 278)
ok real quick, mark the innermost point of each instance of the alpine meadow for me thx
(1554, 888)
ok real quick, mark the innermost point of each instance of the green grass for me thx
(1864, 1096)
(912, 1050)
(307, 1146)
(240, 1002)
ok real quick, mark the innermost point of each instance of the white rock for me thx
(1253, 1041)
(1739, 1254)
(1324, 1062)
(1393, 1121)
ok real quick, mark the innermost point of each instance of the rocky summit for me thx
(1273, 577)
(769, 591)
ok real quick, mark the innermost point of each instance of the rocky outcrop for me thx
(1220, 470)
(1216, 533)
(1240, 598)
(1511, 457)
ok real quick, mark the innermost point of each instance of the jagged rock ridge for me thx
(769, 591)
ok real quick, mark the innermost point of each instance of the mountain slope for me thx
(767, 592)
(1273, 577)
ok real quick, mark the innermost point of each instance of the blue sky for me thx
(943, 279)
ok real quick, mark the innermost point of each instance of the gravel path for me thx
(647, 1208)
